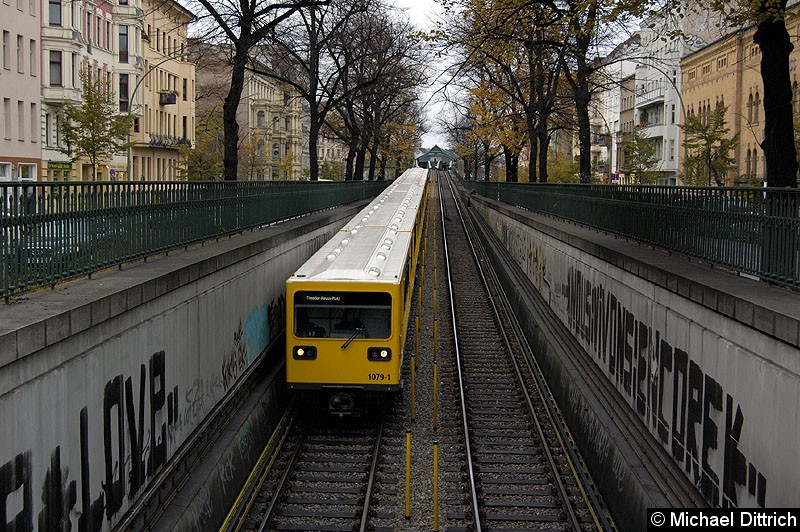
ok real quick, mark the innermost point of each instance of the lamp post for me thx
(133, 94)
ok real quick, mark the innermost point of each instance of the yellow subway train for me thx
(348, 306)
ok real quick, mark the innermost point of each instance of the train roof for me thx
(373, 245)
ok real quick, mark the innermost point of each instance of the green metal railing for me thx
(57, 231)
(751, 230)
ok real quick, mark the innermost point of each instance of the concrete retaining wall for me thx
(708, 361)
(102, 380)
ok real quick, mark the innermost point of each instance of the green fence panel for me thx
(749, 230)
(61, 230)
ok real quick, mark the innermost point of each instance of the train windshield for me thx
(343, 314)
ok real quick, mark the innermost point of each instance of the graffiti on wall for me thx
(685, 407)
(131, 456)
(262, 325)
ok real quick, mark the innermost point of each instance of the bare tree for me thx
(244, 25)
(314, 53)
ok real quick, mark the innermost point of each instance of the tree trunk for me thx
(230, 125)
(361, 156)
(512, 160)
(313, 156)
(382, 173)
(533, 158)
(373, 159)
(582, 96)
(352, 150)
(544, 147)
(487, 163)
(780, 154)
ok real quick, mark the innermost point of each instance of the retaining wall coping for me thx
(770, 309)
(33, 321)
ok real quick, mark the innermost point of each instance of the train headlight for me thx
(379, 354)
(304, 352)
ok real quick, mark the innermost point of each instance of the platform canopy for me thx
(436, 157)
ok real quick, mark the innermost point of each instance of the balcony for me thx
(167, 98)
(655, 95)
(654, 129)
(167, 141)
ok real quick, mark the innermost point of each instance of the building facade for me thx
(20, 82)
(727, 71)
(78, 39)
(149, 77)
(273, 129)
(270, 117)
(331, 155)
(160, 93)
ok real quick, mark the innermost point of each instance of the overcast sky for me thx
(422, 13)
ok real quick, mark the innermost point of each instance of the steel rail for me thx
(475, 248)
(281, 486)
(459, 372)
(371, 482)
(247, 496)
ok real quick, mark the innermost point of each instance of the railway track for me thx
(322, 474)
(507, 463)
(520, 471)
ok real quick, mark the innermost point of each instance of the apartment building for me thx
(20, 81)
(160, 92)
(727, 71)
(78, 38)
(331, 155)
(611, 106)
(270, 116)
(641, 91)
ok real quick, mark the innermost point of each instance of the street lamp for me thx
(133, 94)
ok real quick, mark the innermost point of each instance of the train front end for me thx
(343, 342)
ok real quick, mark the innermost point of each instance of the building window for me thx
(47, 130)
(55, 12)
(123, 93)
(158, 39)
(671, 150)
(32, 59)
(89, 30)
(74, 70)
(261, 120)
(20, 54)
(20, 120)
(185, 124)
(123, 44)
(672, 114)
(287, 123)
(750, 108)
(27, 172)
(58, 130)
(55, 68)
(36, 130)
(185, 89)
(7, 120)
(6, 50)
(108, 35)
(747, 163)
(755, 162)
(756, 106)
